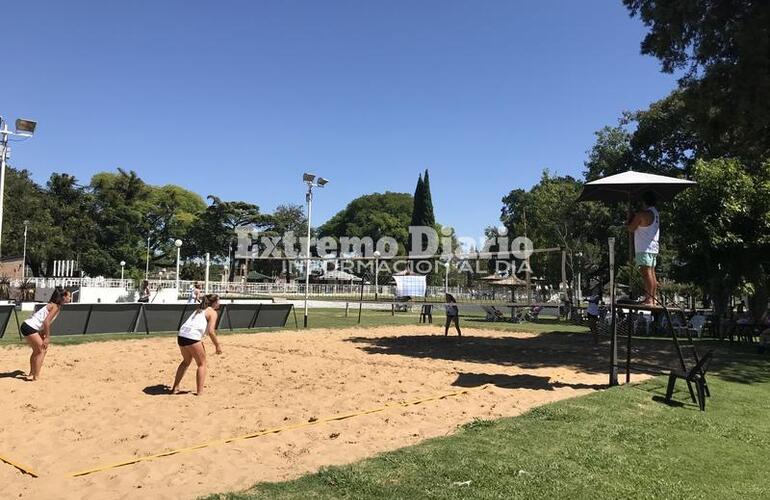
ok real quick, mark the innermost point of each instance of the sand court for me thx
(105, 403)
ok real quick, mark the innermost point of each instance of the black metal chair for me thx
(426, 313)
(697, 376)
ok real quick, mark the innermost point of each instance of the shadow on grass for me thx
(520, 381)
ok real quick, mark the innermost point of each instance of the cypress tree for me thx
(428, 219)
(418, 209)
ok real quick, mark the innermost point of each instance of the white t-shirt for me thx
(195, 326)
(36, 320)
(646, 237)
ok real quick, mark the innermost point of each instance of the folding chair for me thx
(697, 376)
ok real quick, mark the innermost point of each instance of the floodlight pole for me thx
(24, 253)
(376, 273)
(147, 261)
(178, 244)
(309, 201)
(5, 132)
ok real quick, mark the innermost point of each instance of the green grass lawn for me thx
(619, 443)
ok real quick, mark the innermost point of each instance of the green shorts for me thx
(646, 259)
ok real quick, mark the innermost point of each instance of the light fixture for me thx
(308, 177)
(178, 243)
(25, 127)
(322, 182)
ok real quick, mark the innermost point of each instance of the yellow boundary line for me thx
(276, 430)
(22, 468)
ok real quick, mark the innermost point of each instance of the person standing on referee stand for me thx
(645, 225)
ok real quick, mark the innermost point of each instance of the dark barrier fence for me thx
(6, 311)
(76, 319)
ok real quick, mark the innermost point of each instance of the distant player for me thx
(195, 293)
(190, 340)
(452, 315)
(37, 330)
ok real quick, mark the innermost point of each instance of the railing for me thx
(295, 290)
(126, 284)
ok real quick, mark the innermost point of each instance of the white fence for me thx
(280, 289)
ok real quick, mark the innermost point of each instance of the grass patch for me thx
(618, 443)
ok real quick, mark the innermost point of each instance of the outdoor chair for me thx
(697, 376)
(697, 324)
(402, 304)
(426, 313)
(492, 313)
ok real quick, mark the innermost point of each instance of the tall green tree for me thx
(118, 201)
(214, 231)
(722, 49)
(427, 216)
(71, 207)
(286, 218)
(374, 215)
(725, 226)
(26, 201)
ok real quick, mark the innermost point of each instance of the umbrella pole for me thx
(614, 325)
(630, 235)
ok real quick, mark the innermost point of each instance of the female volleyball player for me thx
(37, 330)
(190, 339)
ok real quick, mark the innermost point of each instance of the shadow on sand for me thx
(519, 381)
(552, 349)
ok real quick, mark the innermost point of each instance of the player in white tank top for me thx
(203, 321)
(645, 225)
(37, 330)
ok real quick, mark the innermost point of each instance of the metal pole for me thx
(178, 252)
(614, 325)
(376, 277)
(24, 254)
(309, 200)
(121, 275)
(3, 154)
(147, 261)
(206, 287)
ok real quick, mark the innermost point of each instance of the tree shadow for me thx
(551, 349)
(742, 366)
(518, 381)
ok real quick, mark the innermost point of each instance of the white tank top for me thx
(646, 237)
(36, 320)
(195, 326)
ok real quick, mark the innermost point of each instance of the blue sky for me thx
(238, 98)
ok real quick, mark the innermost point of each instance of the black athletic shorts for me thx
(27, 330)
(184, 341)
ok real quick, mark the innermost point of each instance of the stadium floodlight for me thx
(310, 180)
(24, 128)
